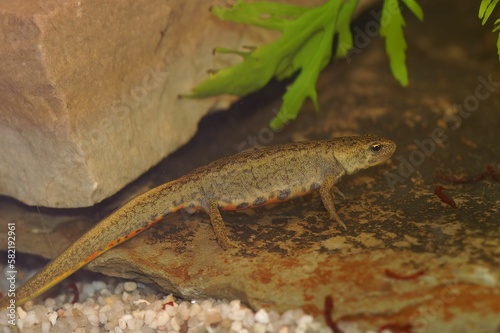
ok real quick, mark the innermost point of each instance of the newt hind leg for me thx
(219, 227)
(327, 198)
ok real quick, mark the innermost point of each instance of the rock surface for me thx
(89, 91)
(292, 256)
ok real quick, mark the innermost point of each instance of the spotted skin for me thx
(248, 179)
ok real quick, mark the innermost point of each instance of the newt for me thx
(248, 179)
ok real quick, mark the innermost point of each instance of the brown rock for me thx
(89, 91)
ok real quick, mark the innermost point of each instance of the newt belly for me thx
(245, 180)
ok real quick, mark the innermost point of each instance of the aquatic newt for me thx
(245, 180)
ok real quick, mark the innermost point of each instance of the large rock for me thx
(89, 91)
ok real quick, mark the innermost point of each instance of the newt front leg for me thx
(328, 198)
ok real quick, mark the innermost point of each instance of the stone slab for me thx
(89, 91)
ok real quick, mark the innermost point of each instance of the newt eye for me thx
(375, 147)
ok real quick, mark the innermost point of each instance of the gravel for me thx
(113, 305)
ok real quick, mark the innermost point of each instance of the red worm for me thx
(446, 199)
(397, 276)
(76, 296)
(328, 315)
(490, 171)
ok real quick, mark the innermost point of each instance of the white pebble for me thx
(105, 308)
(137, 323)
(169, 299)
(111, 324)
(259, 328)
(206, 304)
(130, 324)
(122, 322)
(236, 326)
(50, 302)
(213, 317)
(305, 320)
(235, 305)
(45, 327)
(130, 286)
(224, 310)
(155, 306)
(262, 317)
(88, 289)
(287, 317)
(283, 329)
(195, 310)
(175, 324)
(118, 289)
(183, 311)
(139, 314)
(171, 310)
(99, 285)
(141, 302)
(300, 329)
(149, 316)
(162, 318)
(30, 319)
(21, 313)
(103, 319)
(92, 315)
(52, 318)
(193, 322)
(249, 319)
(237, 315)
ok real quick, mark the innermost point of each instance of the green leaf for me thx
(314, 56)
(497, 23)
(268, 15)
(482, 8)
(242, 79)
(415, 8)
(301, 88)
(498, 47)
(391, 27)
(486, 8)
(305, 48)
(344, 29)
(497, 28)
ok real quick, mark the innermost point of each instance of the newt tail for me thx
(245, 180)
(132, 219)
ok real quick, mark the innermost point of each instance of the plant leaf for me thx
(344, 29)
(305, 48)
(415, 8)
(482, 8)
(268, 15)
(485, 9)
(391, 27)
(312, 60)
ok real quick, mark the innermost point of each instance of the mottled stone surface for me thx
(89, 91)
(292, 256)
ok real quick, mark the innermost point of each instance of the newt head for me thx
(360, 152)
